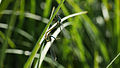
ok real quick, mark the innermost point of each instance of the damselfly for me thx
(48, 36)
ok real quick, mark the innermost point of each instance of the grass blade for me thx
(27, 15)
(41, 38)
(47, 8)
(21, 17)
(117, 23)
(43, 44)
(113, 61)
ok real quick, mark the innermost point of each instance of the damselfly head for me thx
(57, 18)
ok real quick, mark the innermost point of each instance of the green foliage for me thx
(90, 40)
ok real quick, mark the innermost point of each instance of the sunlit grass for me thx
(91, 40)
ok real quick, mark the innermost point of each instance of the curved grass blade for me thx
(27, 15)
(27, 53)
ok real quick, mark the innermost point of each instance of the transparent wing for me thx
(66, 33)
(52, 52)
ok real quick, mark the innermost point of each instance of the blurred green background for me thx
(91, 41)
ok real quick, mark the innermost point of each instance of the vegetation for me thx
(59, 33)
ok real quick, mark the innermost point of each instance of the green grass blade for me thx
(8, 33)
(31, 25)
(10, 42)
(21, 17)
(33, 5)
(113, 61)
(38, 44)
(96, 63)
(117, 23)
(64, 9)
(43, 44)
(47, 8)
